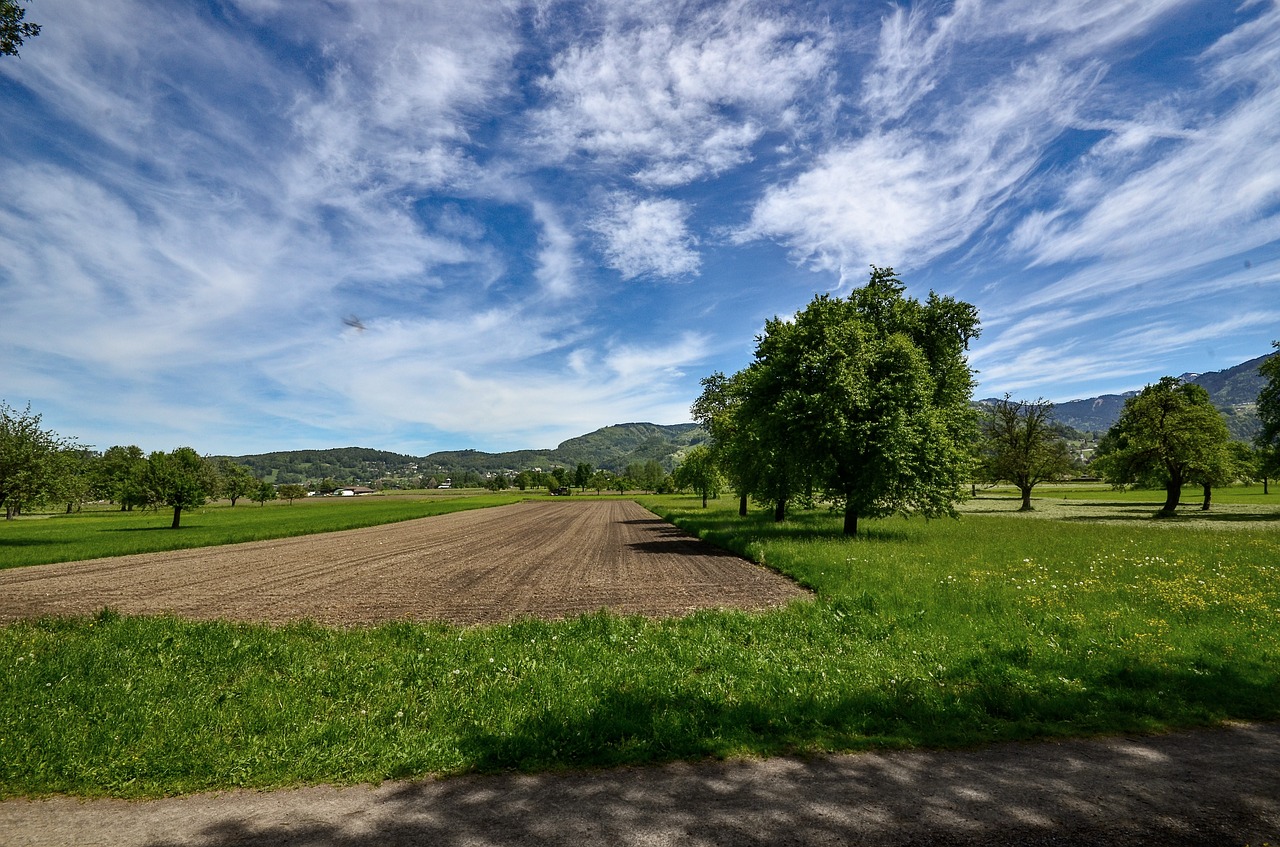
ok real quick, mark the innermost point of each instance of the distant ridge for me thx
(1233, 390)
(611, 448)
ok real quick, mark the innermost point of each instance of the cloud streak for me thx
(553, 216)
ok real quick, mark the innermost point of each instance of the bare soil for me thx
(545, 559)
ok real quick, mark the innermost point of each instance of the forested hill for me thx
(1234, 391)
(611, 448)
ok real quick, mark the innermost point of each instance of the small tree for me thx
(181, 480)
(235, 480)
(734, 444)
(1169, 434)
(600, 480)
(290, 491)
(1021, 446)
(582, 475)
(30, 463)
(76, 474)
(698, 471)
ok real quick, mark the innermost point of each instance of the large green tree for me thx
(1020, 445)
(181, 480)
(865, 400)
(30, 459)
(14, 28)
(1169, 434)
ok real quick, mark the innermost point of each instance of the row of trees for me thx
(865, 404)
(1168, 436)
(39, 467)
(638, 476)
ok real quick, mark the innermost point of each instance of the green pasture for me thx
(947, 633)
(95, 533)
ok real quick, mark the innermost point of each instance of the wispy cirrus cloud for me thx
(677, 97)
(902, 196)
(209, 190)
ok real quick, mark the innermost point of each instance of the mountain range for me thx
(1233, 390)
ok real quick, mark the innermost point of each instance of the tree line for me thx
(864, 404)
(39, 467)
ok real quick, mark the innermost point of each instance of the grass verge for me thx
(936, 634)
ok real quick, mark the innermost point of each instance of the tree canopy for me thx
(181, 480)
(862, 400)
(14, 28)
(1169, 434)
(697, 470)
(1021, 446)
(30, 459)
(1269, 401)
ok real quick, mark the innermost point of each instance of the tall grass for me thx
(943, 633)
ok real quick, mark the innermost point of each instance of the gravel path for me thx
(1205, 788)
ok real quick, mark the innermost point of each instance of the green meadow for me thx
(46, 538)
(941, 634)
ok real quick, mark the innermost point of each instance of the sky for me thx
(257, 225)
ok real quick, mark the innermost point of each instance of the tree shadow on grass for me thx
(1184, 517)
(29, 542)
(1211, 787)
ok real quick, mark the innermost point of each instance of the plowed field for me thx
(544, 559)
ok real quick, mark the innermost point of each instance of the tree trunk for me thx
(850, 520)
(1264, 485)
(1026, 498)
(704, 498)
(177, 516)
(1172, 493)
(742, 505)
(780, 511)
(1208, 497)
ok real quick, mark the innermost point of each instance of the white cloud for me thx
(647, 237)
(677, 100)
(903, 197)
(1205, 195)
(558, 263)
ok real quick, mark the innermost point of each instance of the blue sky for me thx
(548, 217)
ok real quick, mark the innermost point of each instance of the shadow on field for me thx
(1212, 787)
(1185, 514)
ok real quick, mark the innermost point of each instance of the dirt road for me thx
(549, 559)
(1211, 788)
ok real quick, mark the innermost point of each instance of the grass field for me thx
(940, 634)
(48, 538)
